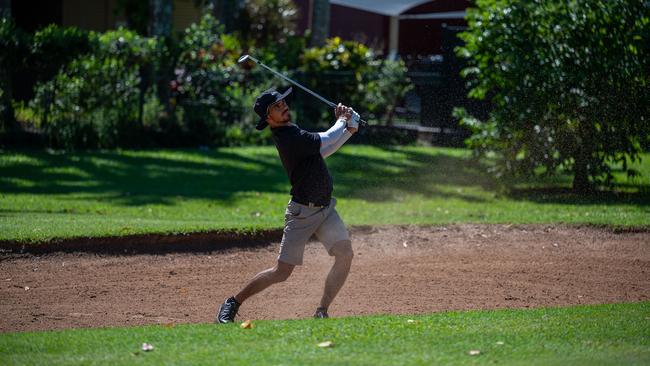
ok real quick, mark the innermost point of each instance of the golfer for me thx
(311, 209)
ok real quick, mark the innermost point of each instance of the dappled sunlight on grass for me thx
(46, 194)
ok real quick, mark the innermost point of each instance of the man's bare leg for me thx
(280, 272)
(343, 255)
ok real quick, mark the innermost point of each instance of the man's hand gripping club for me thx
(349, 115)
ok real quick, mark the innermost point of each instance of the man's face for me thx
(278, 114)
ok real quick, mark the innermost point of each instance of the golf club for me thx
(282, 76)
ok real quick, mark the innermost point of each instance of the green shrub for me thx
(570, 81)
(13, 50)
(264, 23)
(385, 90)
(93, 103)
(54, 46)
(350, 73)
(97, 100)
(127, 46)
(209, 84)
(337, 71)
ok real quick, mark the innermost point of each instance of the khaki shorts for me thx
(301, 222)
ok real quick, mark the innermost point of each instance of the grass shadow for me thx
(565, 195)
(141, 177)
(375, 174)
(406, 171)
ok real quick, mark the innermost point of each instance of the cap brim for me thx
(284, 95)
(262, 123)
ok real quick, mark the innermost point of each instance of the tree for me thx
(161, 28)
(227, 12)
(5, 8)
(569, 80)
(161, 19)
(137, 14)
(13, 50)
(320, 23)
(267, 22)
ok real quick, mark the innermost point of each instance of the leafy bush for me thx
(336, 70)
(209, 84)
(95, 101)
(127, 46)
(13, 49)
(385, 90)
(266, 22)
(350, 73)
(570, 81)
(54, 46)
(92, 103)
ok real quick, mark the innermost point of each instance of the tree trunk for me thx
(390, 114)
(5, 9)
(161, 28)
(581, 182)
(320, 26)
(7, 119)
(161, 18)
(227, 12)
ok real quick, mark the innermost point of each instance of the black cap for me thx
(263, 102)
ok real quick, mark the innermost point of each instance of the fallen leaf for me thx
(474, 352)
(326, 344)
(247, 324)
(147, 347)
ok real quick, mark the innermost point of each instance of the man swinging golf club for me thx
(311, 209)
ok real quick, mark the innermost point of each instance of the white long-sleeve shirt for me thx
(332, 139)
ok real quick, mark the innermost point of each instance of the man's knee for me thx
(342, 250)
(282, 271)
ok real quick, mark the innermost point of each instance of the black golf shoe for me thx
(228, 311)
(321, 313)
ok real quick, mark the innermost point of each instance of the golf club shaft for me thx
(282, 76)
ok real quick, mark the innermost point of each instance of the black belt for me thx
(309, 204)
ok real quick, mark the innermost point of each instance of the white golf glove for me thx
(353, 122)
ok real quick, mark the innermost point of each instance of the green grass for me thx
(582, 335)
(47, 195)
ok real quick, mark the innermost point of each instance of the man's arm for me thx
(331, 149)
(352, 125)
(331, 136)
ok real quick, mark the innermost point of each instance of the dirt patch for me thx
(396, 270)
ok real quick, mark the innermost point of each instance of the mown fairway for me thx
(583, 335)
(48, 194)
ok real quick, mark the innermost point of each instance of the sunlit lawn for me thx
(50, 194)
(582, 335)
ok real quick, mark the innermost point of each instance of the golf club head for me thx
(243, 58)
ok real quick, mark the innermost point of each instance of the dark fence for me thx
(424, 115)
